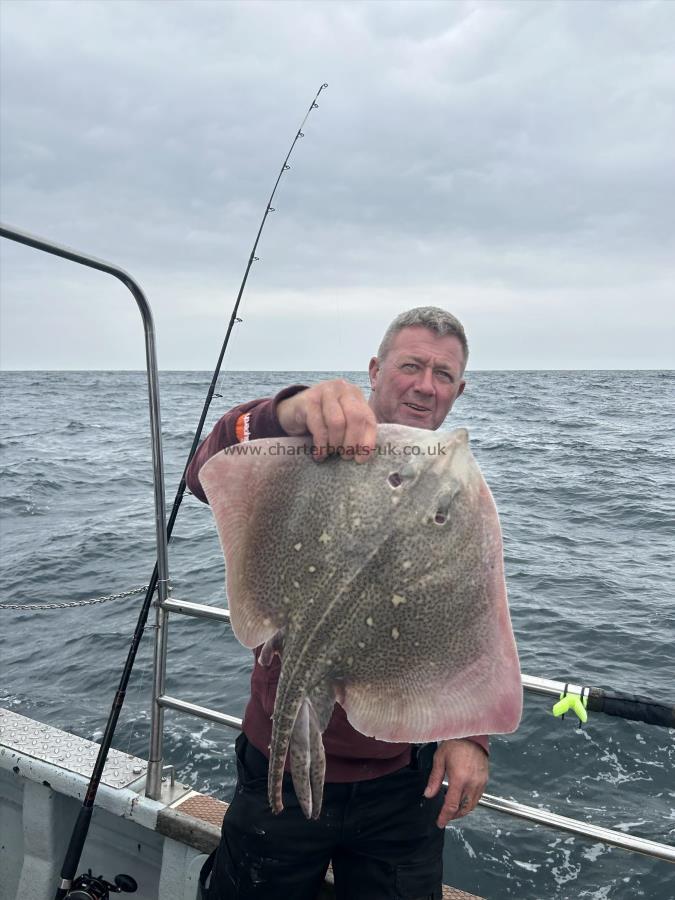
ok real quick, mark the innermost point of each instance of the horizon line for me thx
(361, 371)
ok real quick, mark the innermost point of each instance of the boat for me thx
(149, 833)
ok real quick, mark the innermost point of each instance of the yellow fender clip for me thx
(572, 702)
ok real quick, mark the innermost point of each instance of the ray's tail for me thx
(296, 730)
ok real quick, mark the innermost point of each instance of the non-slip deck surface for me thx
(69, 752)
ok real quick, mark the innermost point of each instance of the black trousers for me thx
(380, 835)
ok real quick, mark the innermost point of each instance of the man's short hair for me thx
(437, 320)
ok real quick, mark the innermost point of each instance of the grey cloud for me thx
(507, 152)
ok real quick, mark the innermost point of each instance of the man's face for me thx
(418, 380)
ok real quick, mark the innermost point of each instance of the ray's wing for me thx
(243, 484)
(431, 643)
(438, 704)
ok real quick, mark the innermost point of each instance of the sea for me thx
(582, 467)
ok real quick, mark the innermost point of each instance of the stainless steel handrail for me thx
(197, 610)
(546, 687)
(200, 712)
(531, 684)
(499, 804)
(585, 829)
(154, 781)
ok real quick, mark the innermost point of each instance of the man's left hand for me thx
(466, 766)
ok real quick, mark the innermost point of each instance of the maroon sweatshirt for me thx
(350, 755)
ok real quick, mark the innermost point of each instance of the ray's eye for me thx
(395, 480)
(443, 507)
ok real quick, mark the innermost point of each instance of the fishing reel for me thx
(90, 887)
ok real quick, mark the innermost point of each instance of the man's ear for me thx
(373, 371)
(462, 385)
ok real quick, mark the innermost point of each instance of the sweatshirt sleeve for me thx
(248, 421)
(482, 741)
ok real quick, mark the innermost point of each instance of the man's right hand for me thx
(336, 415)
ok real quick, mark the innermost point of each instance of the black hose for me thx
(632, 706)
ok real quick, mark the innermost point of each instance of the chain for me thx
(91, 602)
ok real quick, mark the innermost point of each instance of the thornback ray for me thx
(381, 586)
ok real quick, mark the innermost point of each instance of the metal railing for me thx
(531, 684)
(30, 240)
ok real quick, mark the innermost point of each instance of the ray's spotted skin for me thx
(380, 586)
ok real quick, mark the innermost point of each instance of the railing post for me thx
(154, 781)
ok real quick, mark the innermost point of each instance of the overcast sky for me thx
(511, 161)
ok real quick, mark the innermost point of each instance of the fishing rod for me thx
(83, 888)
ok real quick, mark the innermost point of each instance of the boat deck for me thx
(44, 773)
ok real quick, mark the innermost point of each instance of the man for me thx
(384, 813)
